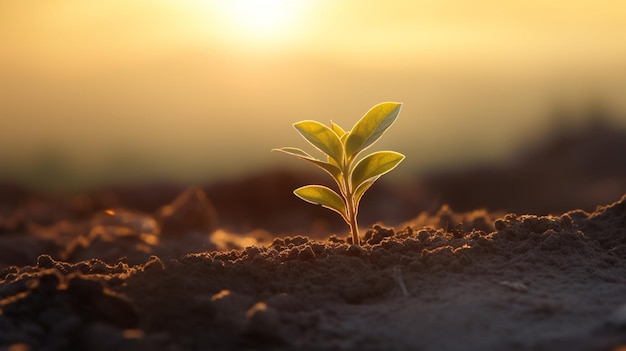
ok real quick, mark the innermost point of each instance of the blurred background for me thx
(104, 92)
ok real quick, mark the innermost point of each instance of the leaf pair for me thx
(342, 149)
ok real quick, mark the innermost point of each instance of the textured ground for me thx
(488, 282)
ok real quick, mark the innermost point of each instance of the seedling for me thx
(342, 148)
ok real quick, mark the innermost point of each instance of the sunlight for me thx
(261, 21)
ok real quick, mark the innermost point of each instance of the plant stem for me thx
(352, 212)
(354, 227)
(347, 192)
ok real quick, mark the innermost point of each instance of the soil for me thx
(163, 267)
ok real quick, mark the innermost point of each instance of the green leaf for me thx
(332, 169)
(333, 162)
(371, 127)
(344, 138)
(358, 194)
(337, 129)
(321, 195)
(322, 137)
(375, 165)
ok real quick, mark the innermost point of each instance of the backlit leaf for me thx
(321, 195)
(294, 151)
(333, 162)
(375, 165)
(332, 169)
(344, 137)
(337, 129)
(322, 137)
(371, 127)
(361, 189)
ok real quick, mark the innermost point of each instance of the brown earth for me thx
(489, 283)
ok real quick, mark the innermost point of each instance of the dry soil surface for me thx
(448, 281)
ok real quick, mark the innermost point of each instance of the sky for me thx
(95, 92)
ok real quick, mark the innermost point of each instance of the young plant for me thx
(342, 149)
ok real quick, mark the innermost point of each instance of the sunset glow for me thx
(156, 86)
(257, 21)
